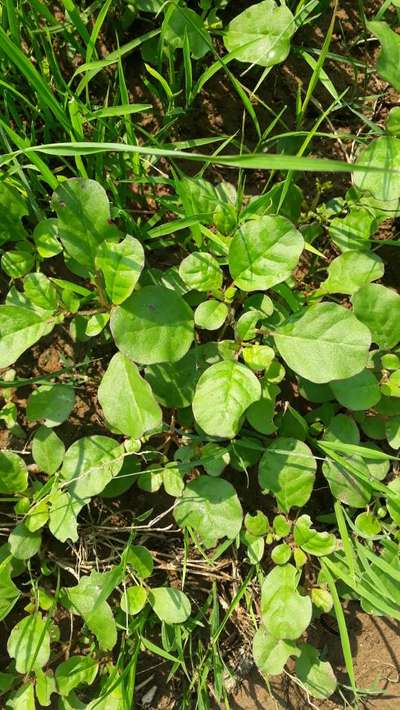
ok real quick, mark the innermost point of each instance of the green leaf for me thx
(141, 560)
(84, 218)
(281, 554)
(96, 323)
(392, 429)
(214, 459)
(171, 605)
(45, 686)
(287, 470)
(367, 525)
(88, 600)
(47, 450)
(41, 291)
(223, 393)
(384, 152)
(29, 643)
(45, 236)
(174, 383)
(77, 670)
(257, 524)
(200, 271)
(261, 34)
(342, 428)
(344, 485)
(351, 270)
(133, 600)
(17, 263)
(352, 232)
(359, 392)
(89, 464)
(271, 654)
(153, 325)
(53, 403)
(23, 543)
(180, 22)
(285, 613)
(258, 357)
(378, 307)
(13, 473)
(210, 315)
(9, 592)
(211, 507)
(324, 342)
(317, 676)
(311, 541)
(23, 698)
(127, 400)
(19, 329)
(121, 265)
(264, 252)
(13, 207)
(63, 514)
(387, 64)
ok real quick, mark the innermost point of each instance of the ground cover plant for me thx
(199, 348)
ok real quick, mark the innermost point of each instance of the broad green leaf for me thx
(211, 507)
(393, 506)
(9, 592)
(214, 459)
(287, 470)
(127, 400)
(367, 525)
(392, 428)
(223, 393)
(378, 307)
(141, 560)
(260, 414)
(19, 329)
(53, 403)
(344, 485)
(37, 516)
(311, 541)
(211, 314)
(180, 22)
(281, 554)
(77, 670)
(173, 480)
(324, 342)
(63, 514)
(352, 232)
(255, 546)
(284, 612)
(13, 473)
(84, 218)
(271, 654)
(29, 643)
(121, 265)
(359, 392)
(45, 686)
(133, 600)
(342, 428)
(41, 291)
(201, 272)
(89, 464)
(45, 236)
(264, 252)
(387, 64)
(351, 270)
(384, 152)
(153, 325)
(96, 323)
(171, 605)
(316, 676)
(263, 31)
(174, 383)
(258, 357)
(392, 122)
(257, 524)
(17, 263)
(23, 543)
(47, 450)
(23, 698)
(88, 599)
(13, 207)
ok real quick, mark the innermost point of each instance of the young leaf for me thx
(324, 342)
(287, 470)
(19, 329)
(84, 218)
(171, 605)
(29, 643)
(211, 314)
(53, 403)
(200, 271)
(285, 613)
(223, 393)
(77, 670)
(133, 600)
(153, 325)
(317, 676)
(261, 34)
(89, 464)
(311, 541)
(13, 473)
(121, 265)
(41, 291)
(127, 400)
(264, 252)
(271, 654)
(211, 507)
(378, 307)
